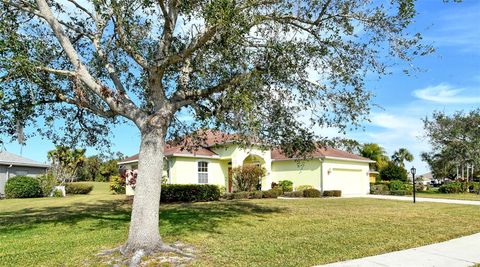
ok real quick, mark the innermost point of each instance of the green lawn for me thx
(268, 232)
(464, 196)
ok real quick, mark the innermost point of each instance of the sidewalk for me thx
(460, 252)
(422, 199)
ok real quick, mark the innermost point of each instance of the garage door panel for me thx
(350, 181)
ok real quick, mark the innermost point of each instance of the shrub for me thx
(23, 187)
(57, 193)
(393, 172)
(189, 192)
(286, 185)
(256, 194)
(311, 193)
(47, 183)
(117, 184)
(397, 185)
(247, 177)
(379, 189)
(398, 192)
(272, 193)
(451, 188)
(241, 195)
(332, 193)
(78, 188)
(274, 185)
(293, 194)
(303, 187)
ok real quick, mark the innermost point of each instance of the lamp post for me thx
(412, 171)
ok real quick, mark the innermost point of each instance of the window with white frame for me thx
(202, 172)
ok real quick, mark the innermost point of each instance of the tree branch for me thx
(128, 109)
(123, 42)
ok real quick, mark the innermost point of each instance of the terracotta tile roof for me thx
(321, 152)
(208, 138)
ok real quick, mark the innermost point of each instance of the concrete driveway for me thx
(459, 252)
(422, 199)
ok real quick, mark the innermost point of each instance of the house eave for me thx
(24, 164)
(352, 160)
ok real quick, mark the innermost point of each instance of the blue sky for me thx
(450, 81)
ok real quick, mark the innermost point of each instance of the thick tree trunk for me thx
(144, 235)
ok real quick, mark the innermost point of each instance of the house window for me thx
(202, 172)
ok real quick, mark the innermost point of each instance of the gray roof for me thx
(7, 158)
(427, 175)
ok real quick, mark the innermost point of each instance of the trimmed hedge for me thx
(272, 193)
(332, 193)
(451, 188)
(189, 192)
(293, 194)
(23, 187)
(379, 189)
(303, 187)
(256, 194)
(78, 189)
(398, 192)
(286, 185)
(311, 193)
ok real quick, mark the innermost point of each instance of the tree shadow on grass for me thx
(117, 213)
(175, 219)
(205, 217)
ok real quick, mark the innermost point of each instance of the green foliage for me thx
(398, 192)
(311, 193)
(393, 172)
(189, 193)
(272, 193)
(65, 163)
(57, 193)
(454, 142)
(379, 189)
(247, 177)
(332, 193)
(452, 188)
(256, 194)
(303, 187)
(78, 188)
(375, 152)
(294, 194)
(47, 183)
(397, 185)
(240, 195)
(117, 184)
(402, 155)
(286, 185)
(23, 187)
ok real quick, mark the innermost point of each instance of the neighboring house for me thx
(212, 162)
(13, 165)
(426, 178)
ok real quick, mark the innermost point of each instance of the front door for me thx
(230, 181)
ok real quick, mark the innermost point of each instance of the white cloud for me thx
(447, 94)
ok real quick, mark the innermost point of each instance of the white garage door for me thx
(350, 181)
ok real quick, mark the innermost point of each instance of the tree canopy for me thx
(455, 141)
(273, 71)
(375, 152)
(399, 157)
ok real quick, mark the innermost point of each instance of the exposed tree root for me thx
(176, 254)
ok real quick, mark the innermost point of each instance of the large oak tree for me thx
(72, 68)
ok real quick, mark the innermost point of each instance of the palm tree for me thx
(402, 155)
(374, 152)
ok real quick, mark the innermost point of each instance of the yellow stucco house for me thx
(212, 162)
